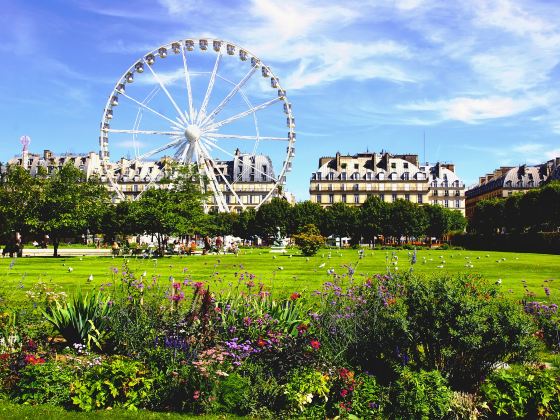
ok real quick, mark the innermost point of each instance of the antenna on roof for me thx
(425, 161)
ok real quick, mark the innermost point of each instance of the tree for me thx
(272, 215)
(20, 198)
(407, 219)
(306, 213)
(341, 220)
(457, 222)
(437, 221)
(70, 203)
(155, 213)
(488, 216)
(550, 206)
(373, 217)
(244, 224)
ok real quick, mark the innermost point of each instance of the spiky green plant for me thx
(81, 320)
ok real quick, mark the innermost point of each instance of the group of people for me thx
(217, 246)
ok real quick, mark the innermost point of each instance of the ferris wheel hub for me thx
(192, 133)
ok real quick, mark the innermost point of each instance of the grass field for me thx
(284, 274)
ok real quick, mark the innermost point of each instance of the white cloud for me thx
(473, 110)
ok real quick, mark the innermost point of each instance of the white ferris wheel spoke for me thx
(230, 95)
(188, 82)
(150, 109)
(242, 114)
(236, 136)
(157, 79)
(204, 105)
(211, 144)
(150, 153)
(150, 132)
(223, 177)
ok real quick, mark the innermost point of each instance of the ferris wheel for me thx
(199, 102)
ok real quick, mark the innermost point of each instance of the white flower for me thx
(70, 269)
(322, 265)
(90, 278)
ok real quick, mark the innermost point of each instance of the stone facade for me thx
(352, 178)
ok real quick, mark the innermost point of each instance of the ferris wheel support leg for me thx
(238, 199)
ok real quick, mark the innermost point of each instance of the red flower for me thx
(261, 342)
(32, 360)
(315, 344)
(343, 393)
(196, 395)
(295, 296)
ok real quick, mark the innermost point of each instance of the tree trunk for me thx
(55, 246)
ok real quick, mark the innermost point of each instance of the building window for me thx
(331, 198)
(330, 187)
(394, 197)
(368, 176)
(457, 203)
(319, 198)
(382, 197)
(357, 198)
(356, 165)
(406, 176)
(135, 188)
(356, 187)
(381, 176)
(407, 197)
(343, 187)
(343, 176)
(405, 165)
(344, 198)
(318, 187)
(446, 203)
(420, 200)
(435, 193)
(330, 176)
(446, 194)
(393, 165)
(319, 176)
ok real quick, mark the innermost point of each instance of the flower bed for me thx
(387, 346)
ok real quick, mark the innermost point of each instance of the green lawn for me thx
(9, 411)
(284, 274)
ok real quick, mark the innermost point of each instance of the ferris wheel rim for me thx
(184, 46)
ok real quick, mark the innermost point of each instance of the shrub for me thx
(419, 395)
(305, 388)
(44, 383)
(523, 392)
(309, 240)
(235, 395)
(81, 320)
(368, 398)
(461, 326)
(114, 383)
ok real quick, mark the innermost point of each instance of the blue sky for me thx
(479, 78)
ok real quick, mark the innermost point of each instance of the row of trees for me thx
(538, 210)
(373, 219)
(66, 205)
